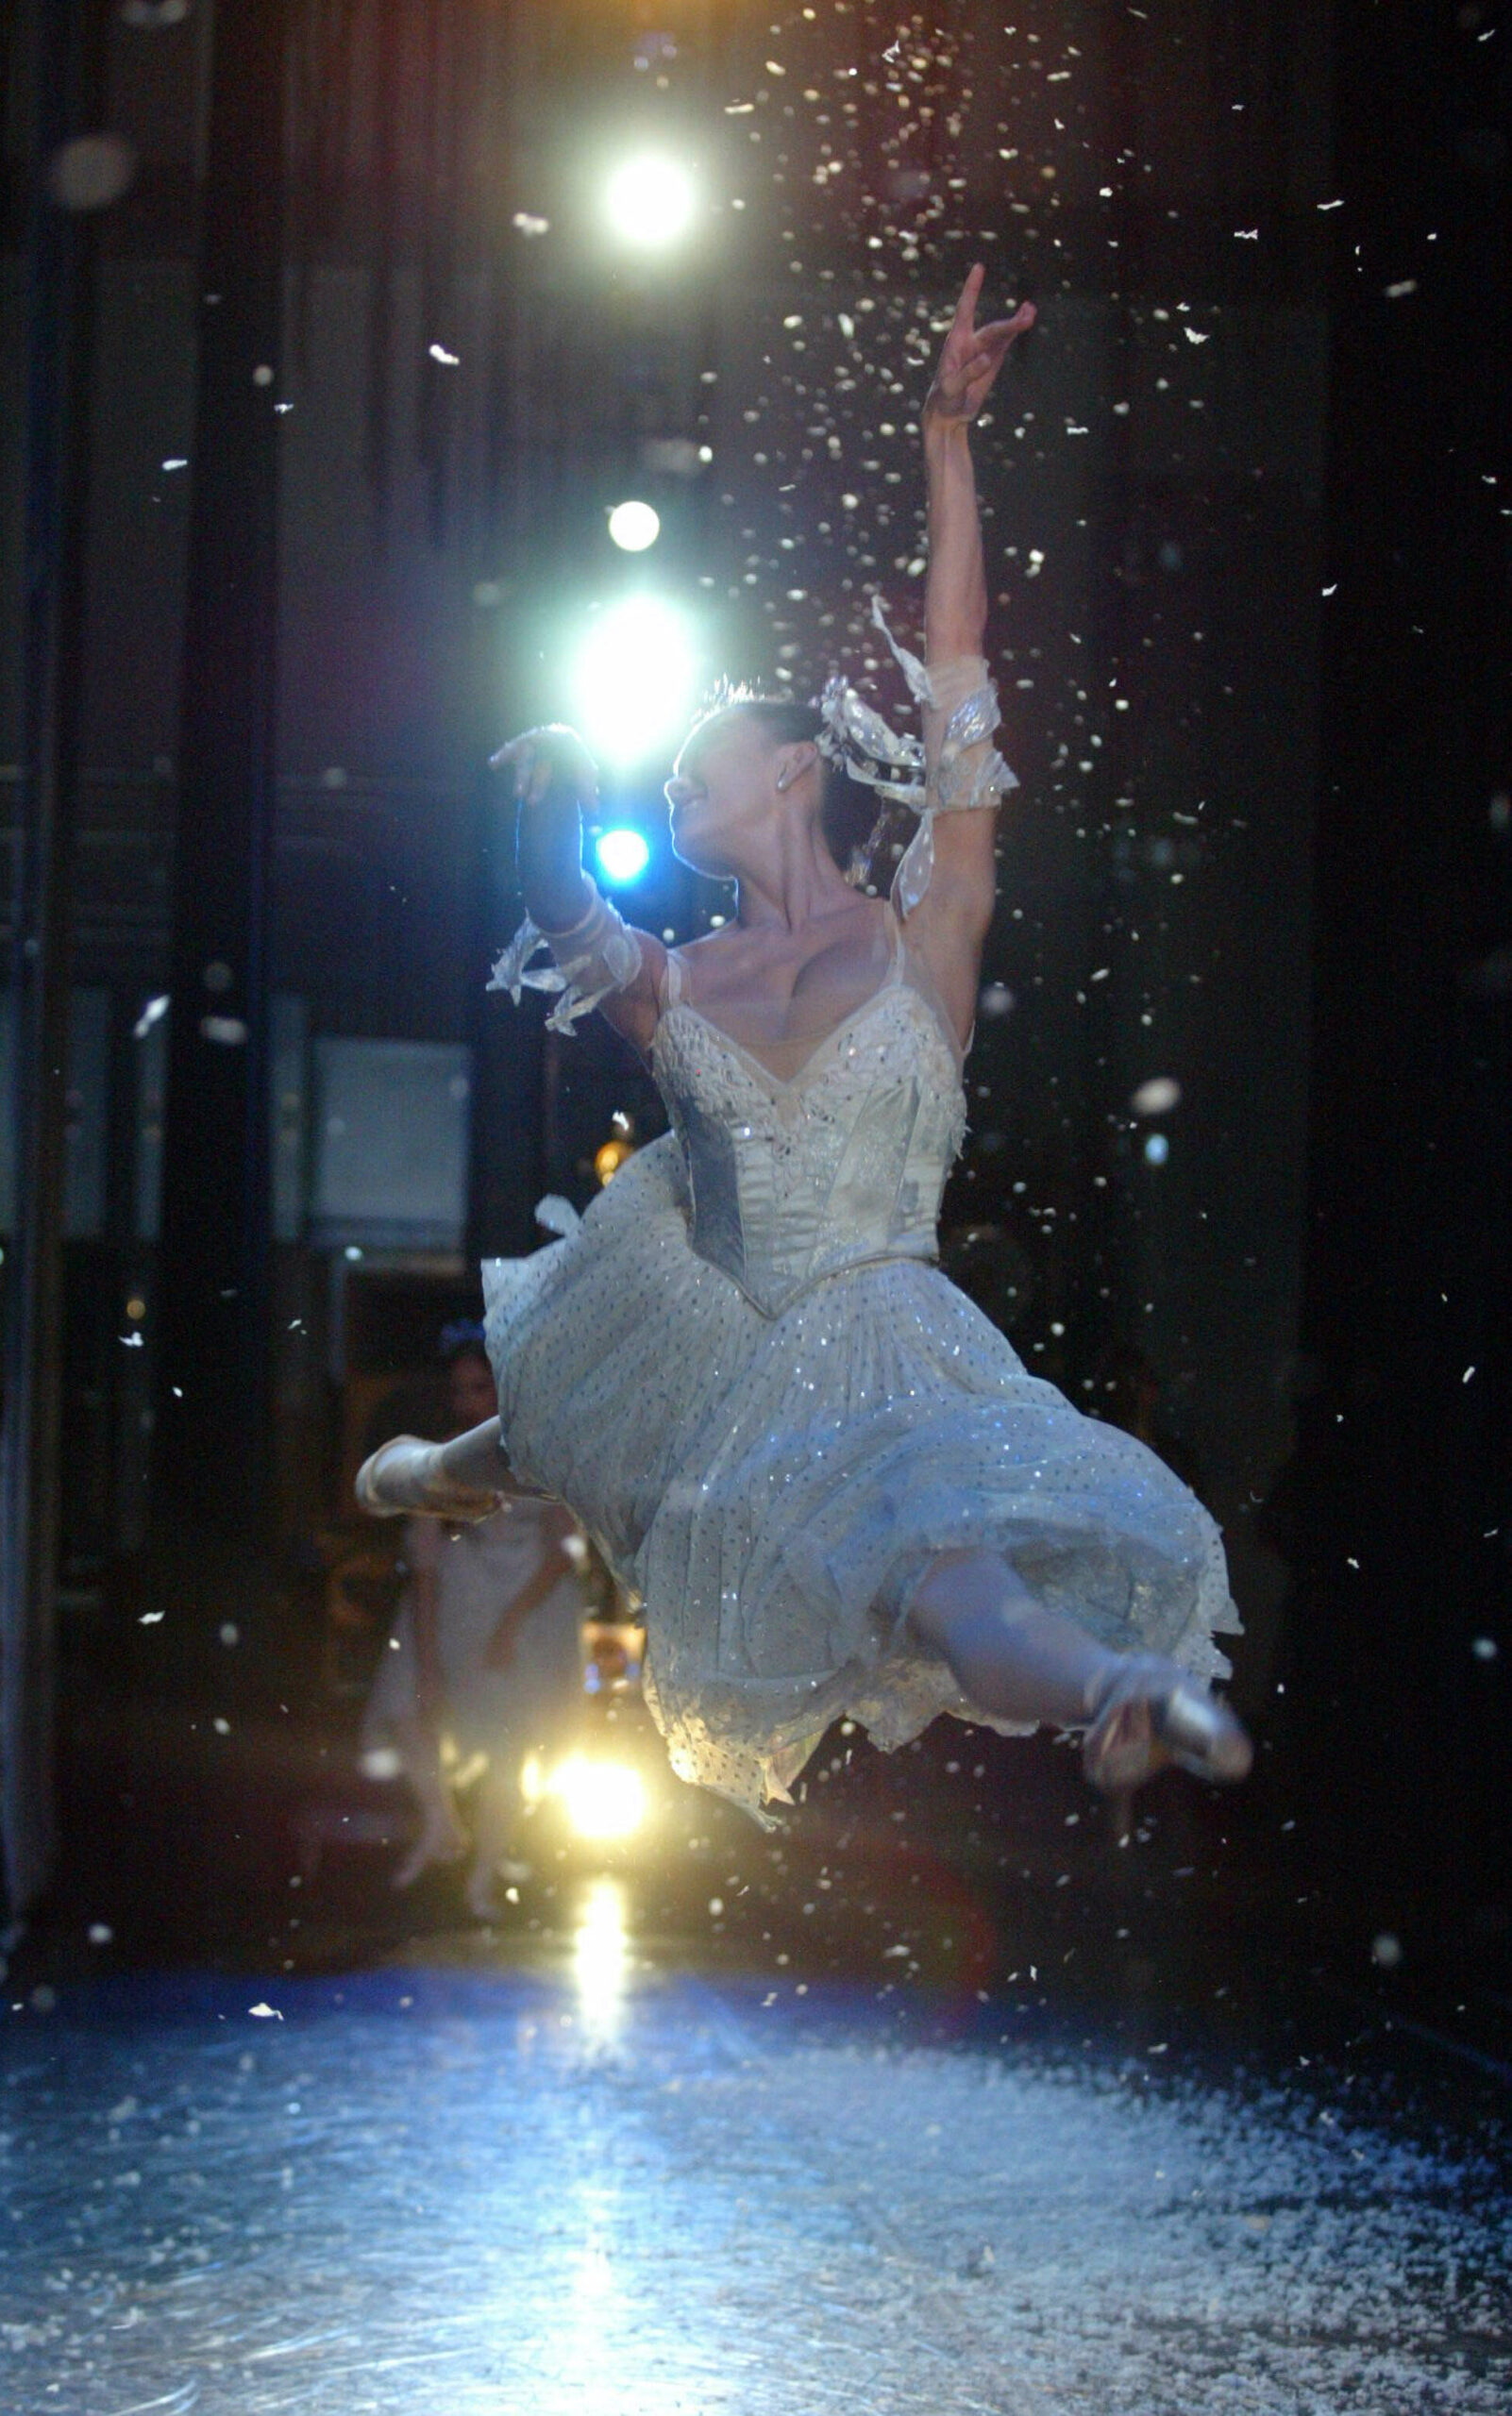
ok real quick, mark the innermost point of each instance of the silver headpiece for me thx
(856, 735)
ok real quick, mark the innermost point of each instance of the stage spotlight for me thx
(602, 1800)
(623, 856)
(634, 526)
(649, 201)
(632, 681)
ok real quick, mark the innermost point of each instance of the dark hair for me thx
(462, 1339)
(848, 809)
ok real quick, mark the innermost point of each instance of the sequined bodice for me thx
(792, 1180)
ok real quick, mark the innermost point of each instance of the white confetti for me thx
(1197, 335)
(150, 1619)
(265, 2012)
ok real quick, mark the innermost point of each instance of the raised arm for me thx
(604, 961)
(950, 922)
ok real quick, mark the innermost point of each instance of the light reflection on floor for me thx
(601, 2187)
(600, 1959)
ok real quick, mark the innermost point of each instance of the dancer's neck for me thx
(790, 880)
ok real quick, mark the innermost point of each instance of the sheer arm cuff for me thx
(963, 771)
(598, 955)
(954, 770)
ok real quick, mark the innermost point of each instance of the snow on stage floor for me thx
(602, 2189)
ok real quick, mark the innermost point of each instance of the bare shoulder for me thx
(718, 961)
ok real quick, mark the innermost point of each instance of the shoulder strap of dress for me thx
(919, 976)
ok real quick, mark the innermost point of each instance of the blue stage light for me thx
(623, 856)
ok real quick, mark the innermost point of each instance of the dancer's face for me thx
(724, 787)
(470, 1391)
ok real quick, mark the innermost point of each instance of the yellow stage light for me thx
(608, 1161)
(602, 1800)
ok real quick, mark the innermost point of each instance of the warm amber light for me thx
(602, 1800)
(608, 1161)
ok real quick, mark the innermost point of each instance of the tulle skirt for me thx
(772, 1490)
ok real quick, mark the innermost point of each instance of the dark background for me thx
(1247, 496)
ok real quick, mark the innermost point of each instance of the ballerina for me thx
(485, 1650)
(826, 1476)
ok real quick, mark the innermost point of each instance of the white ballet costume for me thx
(745, 1377)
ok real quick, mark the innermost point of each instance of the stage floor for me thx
(574, 2177)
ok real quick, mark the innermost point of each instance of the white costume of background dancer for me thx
(826, 1475)
(507, 1607)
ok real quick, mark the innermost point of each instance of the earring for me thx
(782, 780)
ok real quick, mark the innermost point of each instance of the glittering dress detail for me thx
(745, 1377)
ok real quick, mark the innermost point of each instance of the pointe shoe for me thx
(401, 1480)
(1149, 1717)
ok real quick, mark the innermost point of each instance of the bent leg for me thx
(1007, 1653)
(462, 1479)
(1013, 1657)
(475, 1460)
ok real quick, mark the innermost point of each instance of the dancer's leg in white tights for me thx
(1008, 1653)
(1012, 1656)
(461, 1478)
(476, 1458)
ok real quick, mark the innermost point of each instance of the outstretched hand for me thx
(972, 356)
(542, 758)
